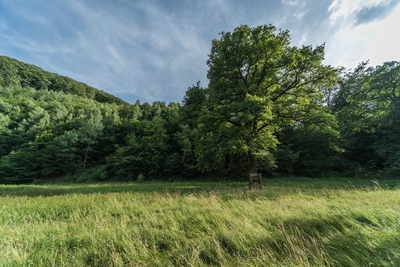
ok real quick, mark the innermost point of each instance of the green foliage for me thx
(140, 178)
(257, 83)
(145, 151)
(310, 147)
(387, 144)
(367, 111)
(193, 104)
(269, 107)
(47, 134)
(16, 73)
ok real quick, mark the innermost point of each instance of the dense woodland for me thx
(269, 107)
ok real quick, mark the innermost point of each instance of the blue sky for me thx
(155, 49)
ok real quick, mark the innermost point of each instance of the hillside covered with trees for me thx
(269, 107)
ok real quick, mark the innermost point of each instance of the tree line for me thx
(269, 107)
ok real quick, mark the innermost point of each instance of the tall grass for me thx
(287, 223)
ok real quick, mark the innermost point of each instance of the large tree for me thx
(257, 82)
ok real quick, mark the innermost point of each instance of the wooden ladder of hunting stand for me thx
(255, 180)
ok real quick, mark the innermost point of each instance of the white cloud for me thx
(376, 41)
(299, 15)
(154, 50)
(290, 2)
(303, 40)
(345, 9)
(164, 51)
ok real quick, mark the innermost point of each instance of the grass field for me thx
(290, 222)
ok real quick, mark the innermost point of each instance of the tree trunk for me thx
(252, 163)
(86, 156)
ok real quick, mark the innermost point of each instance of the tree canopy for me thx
(17, 73)
(269, 107)
(258, 82)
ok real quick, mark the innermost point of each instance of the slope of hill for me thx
(14, 72)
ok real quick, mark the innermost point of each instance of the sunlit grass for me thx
(287, 223)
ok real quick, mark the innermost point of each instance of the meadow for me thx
(289, 222)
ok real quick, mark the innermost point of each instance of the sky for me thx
(154, 50)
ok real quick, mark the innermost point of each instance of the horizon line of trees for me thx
(269, 107)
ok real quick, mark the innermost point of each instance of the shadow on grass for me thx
(273, 188)
(104, 188)
(341, 241)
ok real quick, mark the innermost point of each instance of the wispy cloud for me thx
(299, 15)
(154, 49)
(303, 40)
(357, 9)
(375, 12)
(358, 41)
(290, 2)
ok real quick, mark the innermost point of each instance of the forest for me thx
(269, 107)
